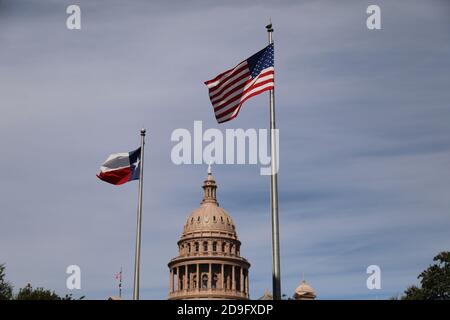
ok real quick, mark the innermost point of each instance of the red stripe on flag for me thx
(218, 96)
(116, 177)
(238, 107)
(239, 89)
(228, 85)
(229, 81)
(255, 85)
(225, 74)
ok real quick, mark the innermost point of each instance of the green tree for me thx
(5, 286)
(413, 293)
(434, 281)
(28, 293)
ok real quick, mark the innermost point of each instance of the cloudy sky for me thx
(364, 139)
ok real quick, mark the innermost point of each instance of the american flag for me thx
(230, 89)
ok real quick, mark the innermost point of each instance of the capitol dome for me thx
(209, 265)
(209, 218)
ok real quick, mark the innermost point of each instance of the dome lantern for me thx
(209, 188)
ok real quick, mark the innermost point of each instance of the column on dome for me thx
(198, 276)
(185, 278)
(214, 276)
(190, 280)
(171, 281)
(190, 274)
(233, 278)
(178, 279)
(209, 276)
(241, 279)
(222, 276)
(246, 282)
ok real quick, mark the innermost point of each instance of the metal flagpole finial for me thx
(143, 131)
(269, 26)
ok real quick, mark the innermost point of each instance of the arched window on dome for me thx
(214, 281)
(204, 281)
(228, 281)
(197, 247)
(223, 247)
(205, 246)
(214, 246)
(188, 248)
(194, 281)
(221, 219)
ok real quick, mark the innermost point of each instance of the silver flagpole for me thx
(120, 284)
(137, 257)
(276, 280)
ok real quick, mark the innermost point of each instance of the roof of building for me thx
(209, 216)
(305, 289)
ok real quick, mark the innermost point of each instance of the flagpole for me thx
(137, 257)
(120, 284)
(276, 280)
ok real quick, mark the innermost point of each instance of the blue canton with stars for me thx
(261, 60)
(135, 164)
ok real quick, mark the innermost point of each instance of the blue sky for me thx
(364, 139)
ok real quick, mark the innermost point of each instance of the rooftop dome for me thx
(305, 290)
(209, 217)
(209, 264)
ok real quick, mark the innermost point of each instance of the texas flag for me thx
(121, 167)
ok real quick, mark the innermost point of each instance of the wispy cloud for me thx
(363, 118)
